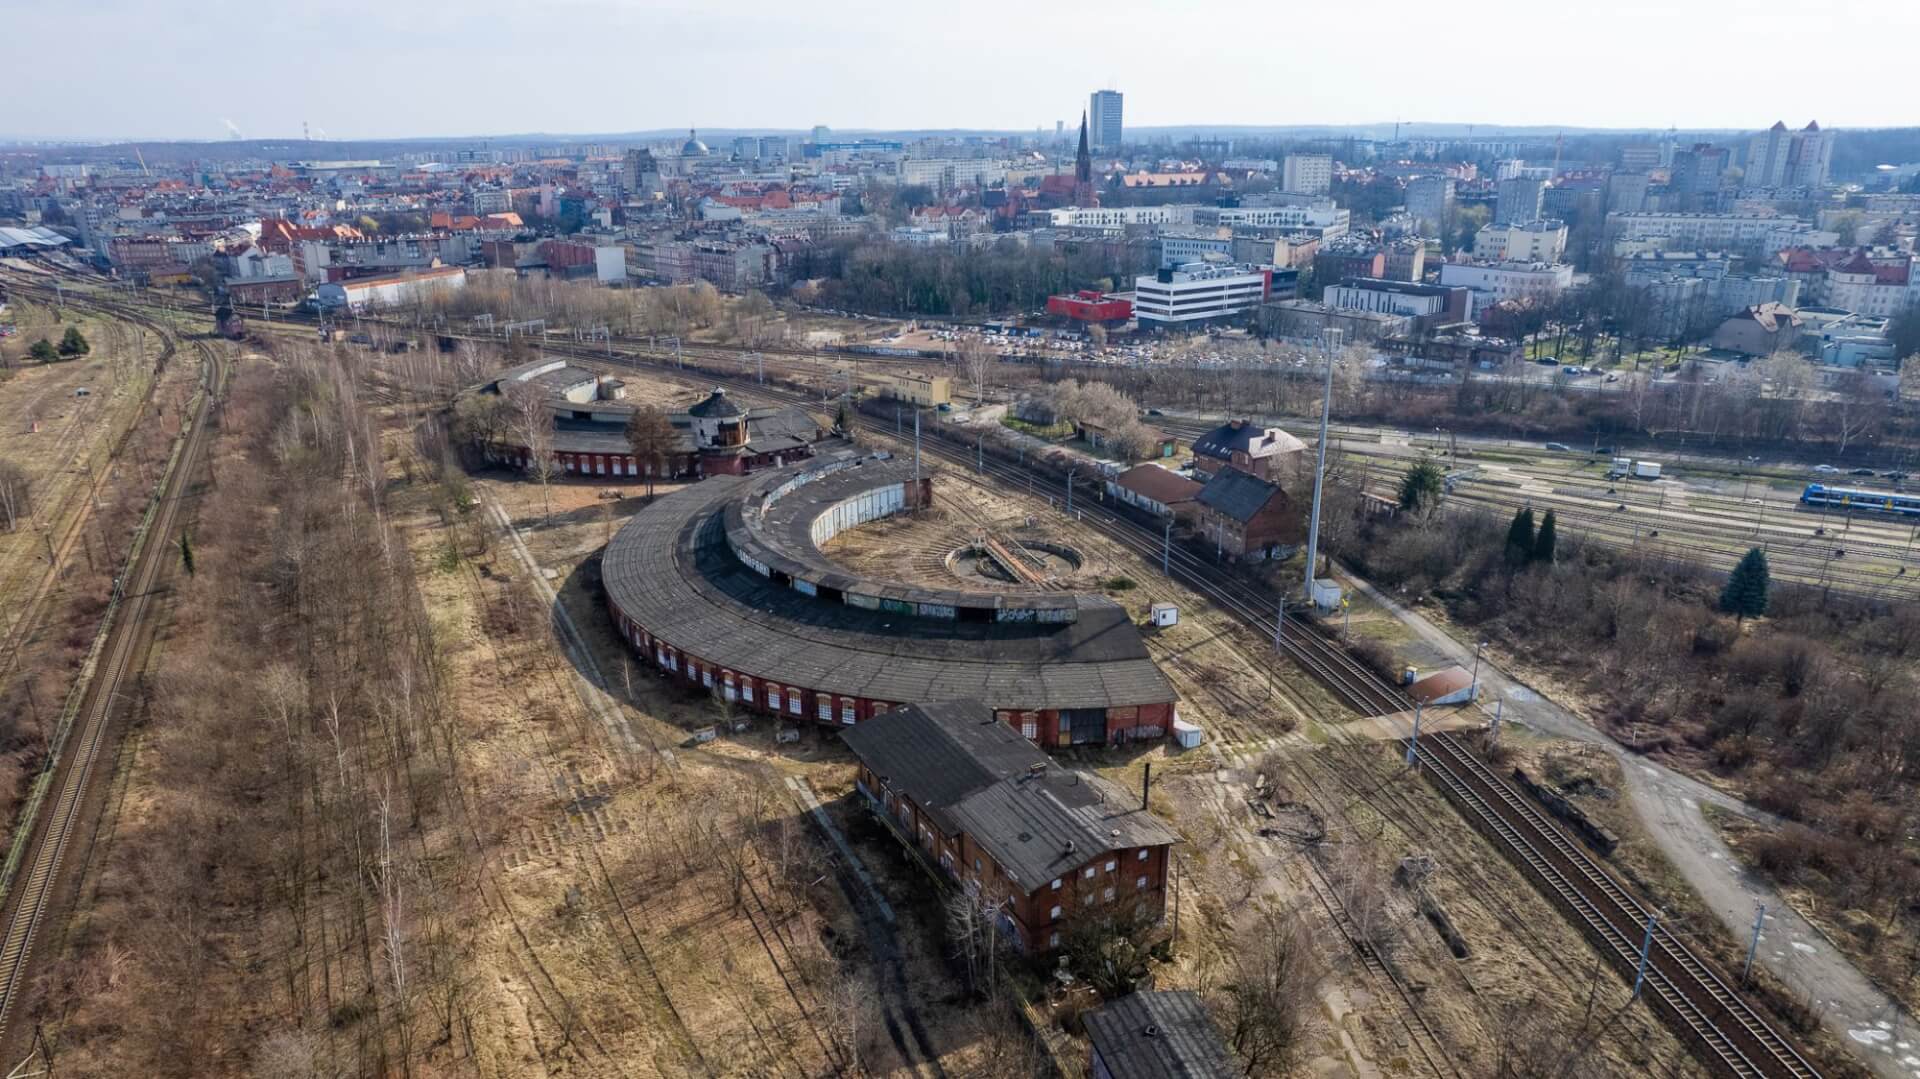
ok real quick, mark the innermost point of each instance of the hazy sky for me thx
(385, 68)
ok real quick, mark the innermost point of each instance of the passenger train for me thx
(1853, 498)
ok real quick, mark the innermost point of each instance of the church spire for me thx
(1083, 161)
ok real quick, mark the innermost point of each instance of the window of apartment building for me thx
(825, 710)
(746, 692)
(1056, 884)
(706, 678)
(1108, 894)
(793, 702)
(976, 865)
(1054, 914)
(1087, 873)
(1112, 864)
(846, 712)
(1053, 940)
(773, 699)
(1029, 729)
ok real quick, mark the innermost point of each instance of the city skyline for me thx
(703, 70)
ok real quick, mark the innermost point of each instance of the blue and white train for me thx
(1854, 498)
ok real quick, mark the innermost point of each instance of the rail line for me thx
(31, 895)
(1729, 1035)
(1684, 988)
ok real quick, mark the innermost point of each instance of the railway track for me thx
(1684, 988)
(31, 895)
(1729, 1035)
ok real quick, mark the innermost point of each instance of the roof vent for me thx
(1151, 1031)
(1069, 849)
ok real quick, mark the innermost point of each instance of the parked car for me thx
(1559, 447)
(1861, 472)
(1548, 361)
(1825, 468)
(1897, 477)
(1603, 451)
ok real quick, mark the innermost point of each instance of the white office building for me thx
(1499, 282)
(1322, 217)
(1755, 233)
(1307, 174)
(1103, 120)
(1198, 292)
(946, 174)
(1530, 241)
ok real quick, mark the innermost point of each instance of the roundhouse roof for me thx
(671, 571)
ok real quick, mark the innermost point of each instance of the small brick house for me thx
(1247, 517)
(1042, 844)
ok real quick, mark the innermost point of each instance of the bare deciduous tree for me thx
(531, 426)
(1268, 1005)
(16, 494)
(651, 436)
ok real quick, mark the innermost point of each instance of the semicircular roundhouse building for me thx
(723, 585)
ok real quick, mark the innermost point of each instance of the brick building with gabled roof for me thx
(1042, 844)
(1248, 517)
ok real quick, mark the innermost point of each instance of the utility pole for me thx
(1328, 338)
(1413, 744)
(916, 448)
(1646, 947)
(1499, 707)
(1753, 943)
(1166, 548)
(1072, 472)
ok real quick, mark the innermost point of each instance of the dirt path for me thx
(1668, 803)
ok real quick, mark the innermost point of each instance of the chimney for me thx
(1146, 784)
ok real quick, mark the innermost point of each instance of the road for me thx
(1668, 804)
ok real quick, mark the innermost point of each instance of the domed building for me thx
(693, 147)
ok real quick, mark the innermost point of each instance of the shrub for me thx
(1376, 657)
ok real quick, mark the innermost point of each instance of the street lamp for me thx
(1473, 690)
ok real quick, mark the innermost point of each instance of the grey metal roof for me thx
(938, 753)
(1041, 824)
(975, 774)
(1237, 494)
(671, 571)
(717, 406)
(1163, 1035)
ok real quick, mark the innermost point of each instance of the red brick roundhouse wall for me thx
(754, 682)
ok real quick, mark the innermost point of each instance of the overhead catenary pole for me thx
(1413, 744)
(1753, 943)
(1646, 948)
(1328, 338)
(1166, 547)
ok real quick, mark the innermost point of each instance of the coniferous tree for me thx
(1546, 539)
(1520, 538)
(1423, 485)
(1746, 593)
(74, 343)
